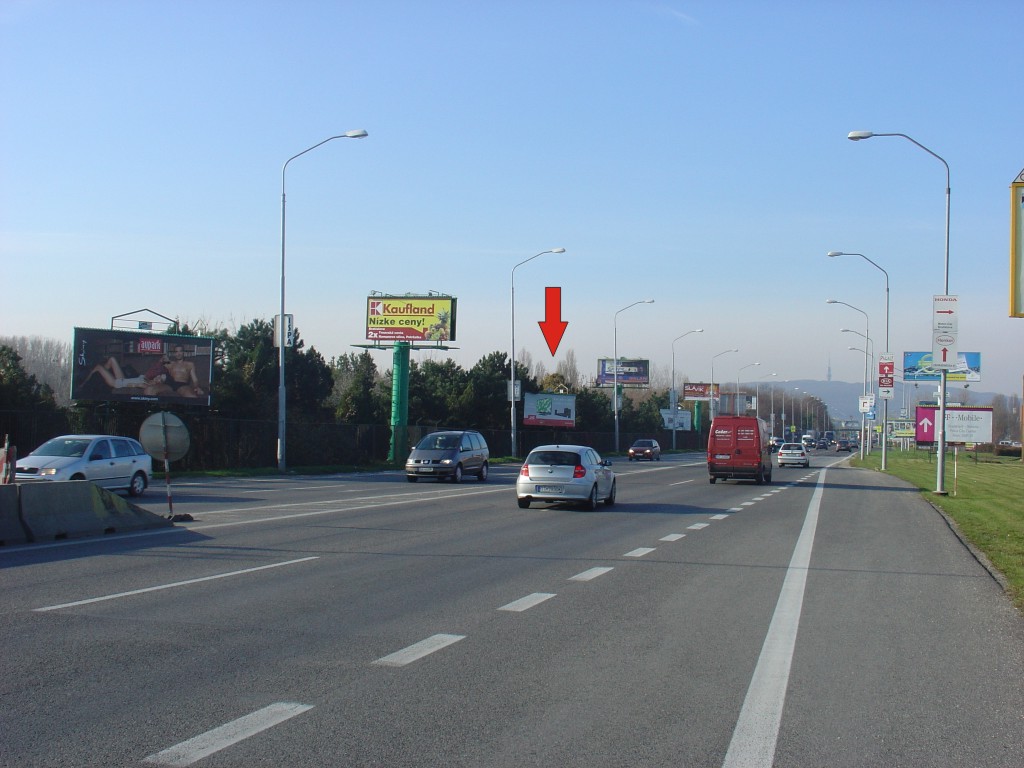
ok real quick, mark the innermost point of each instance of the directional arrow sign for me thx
(553, 327)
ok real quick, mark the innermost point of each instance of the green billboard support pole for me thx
(399, 404)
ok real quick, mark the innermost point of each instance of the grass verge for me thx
(985, 498)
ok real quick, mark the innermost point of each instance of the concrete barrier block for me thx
(75, 508)
(11, 529)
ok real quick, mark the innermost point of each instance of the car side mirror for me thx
(606, 463)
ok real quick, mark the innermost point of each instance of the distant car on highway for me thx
(115, 463)
(793, 454)
(565, 473)
(645, 449)
(843, 445)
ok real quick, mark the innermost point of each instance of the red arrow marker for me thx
(553, 327)
(943, 311)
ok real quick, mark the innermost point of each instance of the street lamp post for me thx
(940, 427)
(885, 401)
(867, 335)
(281, 410)
(512, 356)
(737, 404)
(615, 364)
(712, 399)
(674, 399)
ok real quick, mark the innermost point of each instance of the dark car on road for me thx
(843, 445)
(645, 449)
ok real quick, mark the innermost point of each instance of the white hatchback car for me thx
(566, 473)
(793, 453)
(109, 461)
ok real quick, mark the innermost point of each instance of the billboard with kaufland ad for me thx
(410, 318)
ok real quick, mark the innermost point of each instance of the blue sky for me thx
(693, 153)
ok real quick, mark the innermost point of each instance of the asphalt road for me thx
(828, 619)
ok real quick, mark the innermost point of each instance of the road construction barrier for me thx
(11, 529)
(76, 508)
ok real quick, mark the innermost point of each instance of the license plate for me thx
(548, 489)
(721, 455)
(426, 469)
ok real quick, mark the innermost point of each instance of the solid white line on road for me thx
(193, 750)
(719, 517)
(639, 552)
(525, 603)
(757, 730)
(592, 573)
(418, 650)
(682, 482)
(697, 526)
(673, 537)
(172, 586)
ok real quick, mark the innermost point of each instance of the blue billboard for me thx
(917, 366)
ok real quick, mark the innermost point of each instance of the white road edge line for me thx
(525, 603)
(418, 650)
(193, 750)
(757, 730)
(171, 586)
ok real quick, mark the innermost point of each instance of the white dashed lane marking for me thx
(639, 552)
(525, 603)
(418, 650)
(673, 537)
(195, 749)
(587, 575)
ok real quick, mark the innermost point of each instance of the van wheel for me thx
(759, 477)
(482, 474)
(457, 474)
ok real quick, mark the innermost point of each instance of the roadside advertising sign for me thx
(692, 391)
(964, 424)
(546, 409)
(410, 318)
(918, 366)
(133, 366)
(676, 420)
(631, 373)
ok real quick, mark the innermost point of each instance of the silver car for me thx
(111, 462)
(566, 473)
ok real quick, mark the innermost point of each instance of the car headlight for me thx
(48, 471)
(446, 461)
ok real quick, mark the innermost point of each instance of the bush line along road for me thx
(831, 617)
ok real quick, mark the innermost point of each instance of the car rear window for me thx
(554, 458)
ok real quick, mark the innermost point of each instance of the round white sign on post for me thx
(164, 436)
